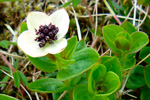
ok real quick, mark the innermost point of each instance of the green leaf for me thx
(110, 84)
(5, 43)
(144, 52)
(127, 61)
(128, 27)
(110, 32)
(5, 79)
(75, 80)
(127, 5)
(145, 93)
(62, 63)
(112, 96)
(96, 75)
(23, 27)
(147, 75)
(6, 97)
(7, 69)
(144, 2)
(117, 6)
(125, 35)
(140, 39)
(122, 43)
(84, 59)
(69, 50)
(47, 85)
(100, 98)
(136, 78)
(57, 95)
(16, 79)
(75, 2)
(67, 3)
(146, 26)
(112, 64)
(81, 93)
(23, 78)
(80, 45)
(43, 63)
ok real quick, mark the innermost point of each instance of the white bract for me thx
(26, 40)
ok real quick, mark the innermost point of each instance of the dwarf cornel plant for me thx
(79, 70)
(74, 71)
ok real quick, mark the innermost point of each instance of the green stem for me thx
(122, 89)
(112, 12)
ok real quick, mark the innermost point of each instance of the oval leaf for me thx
(80, 45)
(81, 93)
(127, 61)
(110, 32)
(144, 52)
(128, 27)
(147, 75)
(122, 43)
(69, 50)
(140, 39)
(84, 59)
(97, 74)
(43, 63)
(47, 85)
(136, 78)
(110, 84)
(145, 93)
(100, 98)
(112, 64)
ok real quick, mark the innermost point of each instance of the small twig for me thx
(89, 13)
(62, 95)
(139, 18)
(94, 42)
(143, 18)
(96, 20)
(3, 82)
(142, 10)
(112, 12)
(77, 24)
(131, 95)
(106, 14)
(129, 13)
(135, 4)
(12, 55)
(25, 66)
(6, 61)
(33, 78)
(106, 52)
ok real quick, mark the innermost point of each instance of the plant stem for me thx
(112, 12)
(89, 14)
(8, 64)
(121, 90)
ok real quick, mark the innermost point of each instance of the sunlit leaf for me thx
(84, 59)
(6, 97)
(47, 85)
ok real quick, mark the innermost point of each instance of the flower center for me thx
(46, 34)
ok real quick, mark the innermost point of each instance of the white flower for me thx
(30, 46)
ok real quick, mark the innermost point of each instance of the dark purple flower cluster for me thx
(46, 33)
